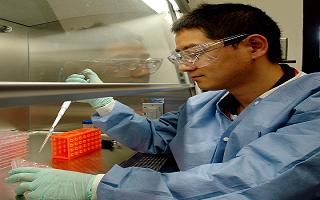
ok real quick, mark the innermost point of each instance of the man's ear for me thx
(258, 44)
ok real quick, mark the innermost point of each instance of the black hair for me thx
(222, 20)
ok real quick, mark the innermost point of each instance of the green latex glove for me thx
(44, 183)
(89, 76)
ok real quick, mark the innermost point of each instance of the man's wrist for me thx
(107, 109)
(100, 102)
(95, 184)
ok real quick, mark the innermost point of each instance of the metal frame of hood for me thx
(26, 93)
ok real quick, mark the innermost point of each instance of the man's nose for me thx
(186, 68)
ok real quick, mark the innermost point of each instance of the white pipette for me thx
(62, 110)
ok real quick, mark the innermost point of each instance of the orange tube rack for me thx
(75, 143)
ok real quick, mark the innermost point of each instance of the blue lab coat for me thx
(270, 151)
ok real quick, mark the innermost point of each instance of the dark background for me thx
(311, 36)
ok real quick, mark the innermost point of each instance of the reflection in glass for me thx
(67, 45)
(120, 67)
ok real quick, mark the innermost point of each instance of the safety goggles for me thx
(191, 55)
(123, 64)
(131, 64)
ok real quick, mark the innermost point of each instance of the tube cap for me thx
(86, 122)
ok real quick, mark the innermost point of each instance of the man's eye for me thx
(191, 55)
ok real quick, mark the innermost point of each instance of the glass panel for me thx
(123, 41)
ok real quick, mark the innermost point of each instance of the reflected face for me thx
(127, 55)
(227, 71)
(126, 50)
(120, 63)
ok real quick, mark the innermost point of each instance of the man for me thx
(252, 135)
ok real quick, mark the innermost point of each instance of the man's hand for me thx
(44, 183)
(89, 76)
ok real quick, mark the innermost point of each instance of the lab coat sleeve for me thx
(138, 132)
(279, 165)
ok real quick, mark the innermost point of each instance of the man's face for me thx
(126, 69)
(225, 68)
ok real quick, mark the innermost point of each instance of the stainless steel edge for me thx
(26, 93)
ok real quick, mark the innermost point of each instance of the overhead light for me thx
(174, 5)
(157, 5)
